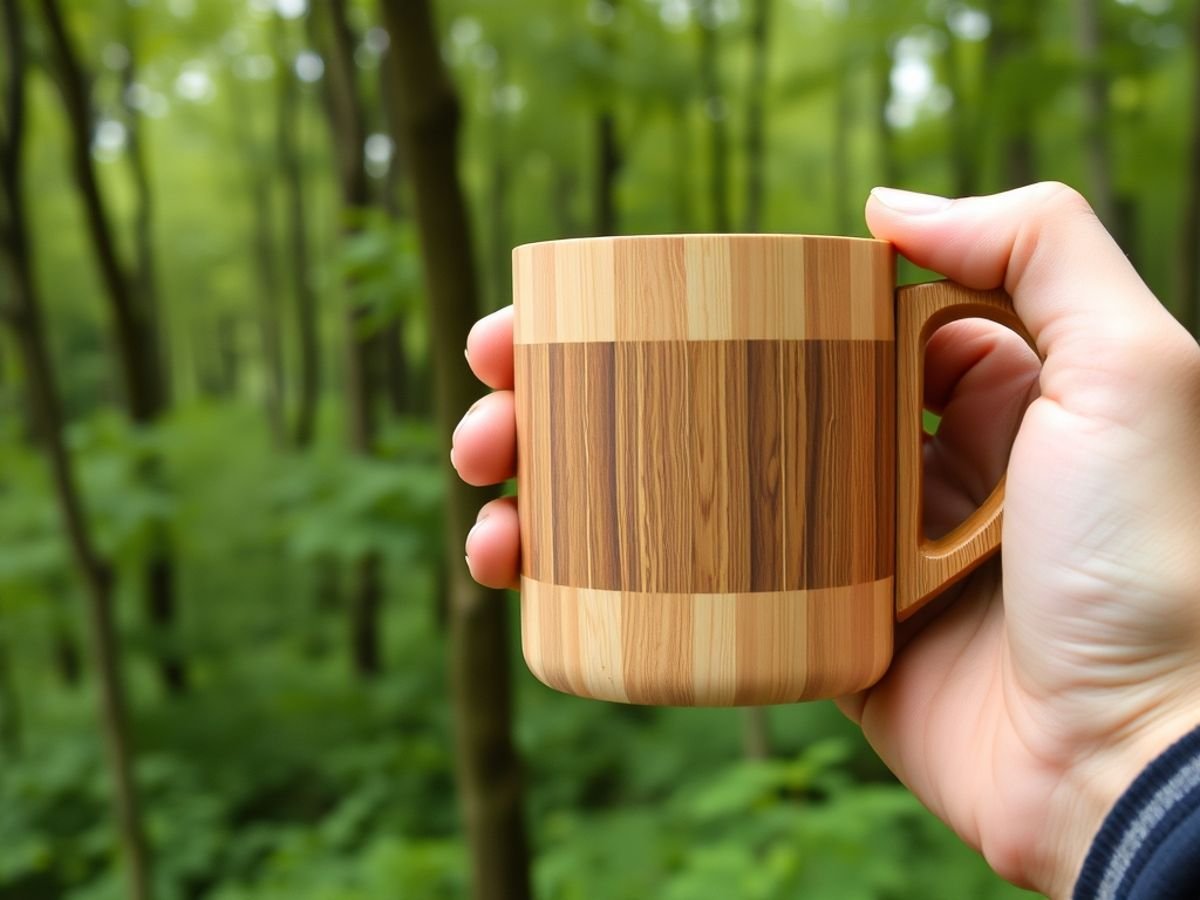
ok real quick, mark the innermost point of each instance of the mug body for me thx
(706, 466)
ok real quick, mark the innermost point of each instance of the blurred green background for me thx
(218, 229)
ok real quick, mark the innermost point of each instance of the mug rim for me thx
(709, 235)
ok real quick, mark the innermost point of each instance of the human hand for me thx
(1021, 712)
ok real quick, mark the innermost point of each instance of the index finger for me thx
(490, 349)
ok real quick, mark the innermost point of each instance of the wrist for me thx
(1088, 792)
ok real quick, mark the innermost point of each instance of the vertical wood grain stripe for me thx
(710, 490)
(703, 287)
(656, 646)
(738, 440)
(794, 393)
(764, 454)
(599, 474)
(535, 502)
(702, 649)
(568, 483)
(707, 466)
(626, 524)
(665, 452)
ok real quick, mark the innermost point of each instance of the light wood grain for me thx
(925, 567)
(707, 649)
(703, 287)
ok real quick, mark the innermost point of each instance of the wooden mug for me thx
(708, 467)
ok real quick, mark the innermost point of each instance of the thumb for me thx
(1095, 322)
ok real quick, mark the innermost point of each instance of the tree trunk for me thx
(716, 114)
(608, 159)
(1009, 44)
(397, 380)
(681, 183)
(144, 278)
(1125, 215)
(1188, 308)
(266, 264)
(229, 356)
(885, 134)
(137, 346)
(843, 115)
(67, 662)
(10, 708)
(756, 733)
(134, 305)
(962, 132)
(366, 597)
(24, 317)
(265, 261)
(365, 605)
(563, 184)
(348, 129)
(266, 268)
(399, 375)
(287, 136)
(608, 168)
(1097, 147)
(489, 778)
(499, 178)
(755, 119)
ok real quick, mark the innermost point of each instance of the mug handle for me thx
(925, 567)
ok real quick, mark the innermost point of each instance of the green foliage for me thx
(788, 827)
(345, 507)
(378, 260)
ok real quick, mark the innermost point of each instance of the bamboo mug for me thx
(715, 509)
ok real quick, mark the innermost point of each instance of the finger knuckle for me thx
(1063, 198)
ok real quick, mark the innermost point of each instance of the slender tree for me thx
(68, 663)
(499, 183)
(10, 705)
(885, 134)
(159, 584)
(682, 193)
(1189, 228)
(258, 171)
(489, 778)
(1009, 47)
(843, 120)
(287, 137)
(755, 149)
(963, 156)
(1097, 146)
(144, 277)
(23, 315)
(564, 184)
(133, 306)
(348, 127)
(399, 376)
(608, 156)
(715, 112)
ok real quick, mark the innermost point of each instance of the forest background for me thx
(240, 246)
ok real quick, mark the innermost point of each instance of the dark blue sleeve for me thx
(1149, 845)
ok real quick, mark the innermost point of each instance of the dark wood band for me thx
(707, 466)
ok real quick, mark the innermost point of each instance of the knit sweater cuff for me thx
(1149, 844)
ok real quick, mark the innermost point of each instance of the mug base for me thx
(707, 649)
